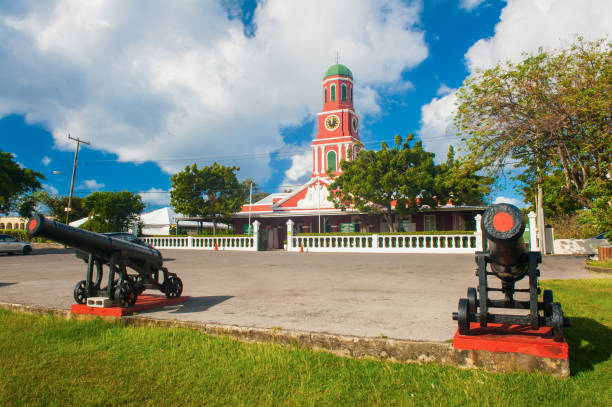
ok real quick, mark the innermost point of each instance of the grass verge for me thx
(49, 361)
(600, 263)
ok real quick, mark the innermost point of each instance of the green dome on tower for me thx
(338, 69)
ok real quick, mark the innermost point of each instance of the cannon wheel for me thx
(463, 317)
(557, 322)
(547, 299)
(173, 287)
(472, 299)
(138, 283)
(126, 294)
(80, 292)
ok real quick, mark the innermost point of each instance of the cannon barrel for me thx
(99, 245)
(503, 225)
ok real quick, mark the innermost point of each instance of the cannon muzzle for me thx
(503, 226)
(99, 245)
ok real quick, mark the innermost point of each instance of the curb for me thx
(394, 350)
(598, 269)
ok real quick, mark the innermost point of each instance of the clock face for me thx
(354, 124)
(332, 122)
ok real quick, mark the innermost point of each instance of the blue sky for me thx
(239, 82)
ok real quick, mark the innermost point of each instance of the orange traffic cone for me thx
(216, 247)
(301, 248)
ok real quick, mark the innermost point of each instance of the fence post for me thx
(374, 241)
(533, 234)
(479, 237)
(190, 241)
(289, 234)
(256, 235)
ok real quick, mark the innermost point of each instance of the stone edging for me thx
(598, 269)
(395, 350)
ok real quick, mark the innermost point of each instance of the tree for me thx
(550, 113)
(555, 202)
(458, 180)
(112, 211)
(257, 193)
(15, 181)
(211, 192)
(397, 181)
(387, 181)
(55, 204)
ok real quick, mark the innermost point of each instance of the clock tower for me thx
(338, 123)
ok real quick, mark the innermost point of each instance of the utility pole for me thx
(319, 207)
(76, 157)
(250, 208)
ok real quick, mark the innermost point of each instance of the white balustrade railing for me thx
(400, 243)
(246, 242)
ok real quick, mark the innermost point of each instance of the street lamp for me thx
(76, 156)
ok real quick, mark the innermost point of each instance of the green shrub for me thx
(200, 235)
(570, 227)
(22, 235)
(431, 232)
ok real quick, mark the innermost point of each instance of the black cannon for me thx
(503, 226)
(118, 255)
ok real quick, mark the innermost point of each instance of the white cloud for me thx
(437, 129)
(182, 81)
(91, 185)
(155, 196)
(512, 201)
(300, 170)
(444, 90)
(50, 188)
(469, 4)
(524, 26)
(45, 160)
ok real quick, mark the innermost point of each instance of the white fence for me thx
(399, 243)
(247, 243)
(578, 246)
(386, 243)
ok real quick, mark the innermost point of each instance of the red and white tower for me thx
(338, 123)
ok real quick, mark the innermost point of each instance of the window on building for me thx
(429, 222)
(325, 91)
(332, 93)
(351, 94)
(458, 222)
(331, 162)
(326, 227)
(343, 92)
(407, 225)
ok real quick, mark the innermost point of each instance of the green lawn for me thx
(51, 361)
(600, 263)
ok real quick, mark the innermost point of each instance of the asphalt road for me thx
(407, 296)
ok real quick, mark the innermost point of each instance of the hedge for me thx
(23, 235)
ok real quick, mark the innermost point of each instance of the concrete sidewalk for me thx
(406, 296)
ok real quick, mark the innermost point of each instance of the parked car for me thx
(128, 237)
(10, 244)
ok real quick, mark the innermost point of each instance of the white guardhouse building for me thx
(308, 206)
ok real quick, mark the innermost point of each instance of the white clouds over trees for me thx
(162, 83)
(524, 26)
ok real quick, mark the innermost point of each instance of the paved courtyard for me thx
(407, 296)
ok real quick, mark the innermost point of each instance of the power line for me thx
(247, 156)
